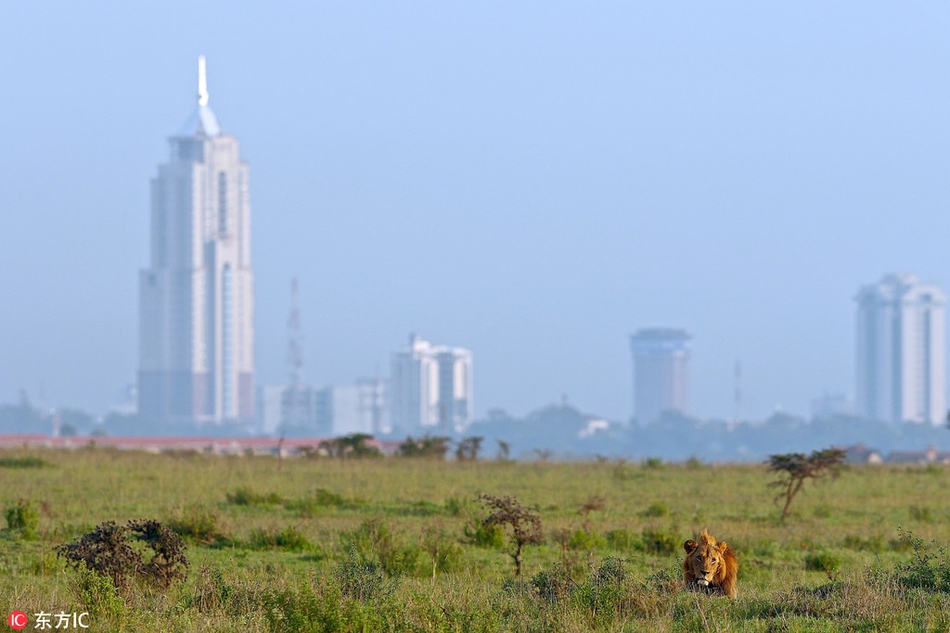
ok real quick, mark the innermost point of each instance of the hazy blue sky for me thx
(533, 181)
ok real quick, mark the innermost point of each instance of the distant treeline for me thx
(563, 432)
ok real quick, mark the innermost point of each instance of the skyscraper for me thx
(660, 372)
(196, 328)
(431, 388)
(901, 371)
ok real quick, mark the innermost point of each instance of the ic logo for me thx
(17, 620)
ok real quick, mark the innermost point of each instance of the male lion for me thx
(710, 566)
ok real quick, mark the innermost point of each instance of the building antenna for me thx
(202, 82)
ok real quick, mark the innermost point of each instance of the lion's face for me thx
(705, 559)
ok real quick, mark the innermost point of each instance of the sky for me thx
(534, 181)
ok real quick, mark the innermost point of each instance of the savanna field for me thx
(401, 544)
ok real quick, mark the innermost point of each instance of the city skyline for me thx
(533, 182)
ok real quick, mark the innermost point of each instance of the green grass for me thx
(397, 544)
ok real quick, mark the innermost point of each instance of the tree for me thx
(467, 449)
(794, 468)
(525, 524)
(428, 447)
(354, 445)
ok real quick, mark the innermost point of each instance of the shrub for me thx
(212, 593)
(108, 551)
(653, 463)
(587, 541)
(594, 503)
(244, 496)
(361, 578)
(468, 448)
(23, 462)
(920, 514)
(453, 506)
(321, 498)
(657, 509)
(623, 540)
(486, 535)
(554, 585)
(927, 569)
(444, 552)
(660, 541)
(97, 593)
(427, 447)
(374, 540)
(827, 562)
(23, 518)
(198, 524)
(289, 539)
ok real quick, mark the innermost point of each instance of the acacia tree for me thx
(525, 524)
(467, 449)
(794, 468)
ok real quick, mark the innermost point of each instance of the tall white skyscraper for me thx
(430, 388)
(660, 372)
(901, 369)
(196, 328)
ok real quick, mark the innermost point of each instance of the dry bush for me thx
(119, 552)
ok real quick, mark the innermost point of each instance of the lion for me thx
(710, 566)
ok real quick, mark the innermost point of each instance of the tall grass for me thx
(272, 547)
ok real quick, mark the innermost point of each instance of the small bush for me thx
(653, 463)
(23, 518)
(624, 540)
(246, 497)
(586, 541)
(604, 595)
(928, 569)
(320, 499)
(921, 514)
(23, 462)
(488, 536)
(657, 509)
(198, 524)
(212, 593)
(288, 539)
(375, 541)
(660, 541)
(554, 585)
(97, 594)
(828, 562)
(444, 552)
(362, 578)
(453, 506)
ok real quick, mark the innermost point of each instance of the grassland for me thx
(397, 544)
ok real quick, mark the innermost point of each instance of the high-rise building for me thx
(901, 369)
(430, 388)
(660, 372)
(196, 328)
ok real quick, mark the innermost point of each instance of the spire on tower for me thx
(202, 82)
